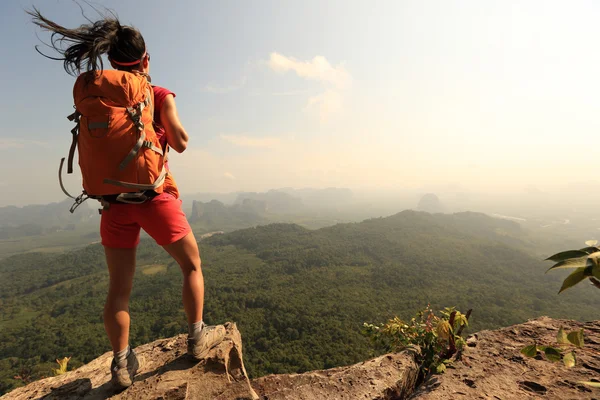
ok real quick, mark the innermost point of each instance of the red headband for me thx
(129, 64)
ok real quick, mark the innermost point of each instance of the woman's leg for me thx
(185, 252)
(121, 268)
(165, 221)
(201, 338)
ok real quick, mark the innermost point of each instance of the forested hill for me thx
(398, 233)
(299, 297)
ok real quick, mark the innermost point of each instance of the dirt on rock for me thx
(493, 367)
(392, 376)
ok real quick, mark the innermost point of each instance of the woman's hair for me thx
(86, 44)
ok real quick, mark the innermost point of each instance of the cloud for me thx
(334, 79)
(264, 142)
(318, 69)
(229, 175)
(284, 93)
(211, 88)
(327, 103)
(12, 143)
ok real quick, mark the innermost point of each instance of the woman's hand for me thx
(177, 137)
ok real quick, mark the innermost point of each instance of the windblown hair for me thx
(86, 44)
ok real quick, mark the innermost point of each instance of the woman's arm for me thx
(177, 137)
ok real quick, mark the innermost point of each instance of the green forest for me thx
(298, 296)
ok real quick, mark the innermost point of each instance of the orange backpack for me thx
(119, 154)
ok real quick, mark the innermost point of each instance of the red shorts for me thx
(162, 218)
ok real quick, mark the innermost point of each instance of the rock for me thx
(392, 376)
(495, 368)
(165, 373)
(492, 369)
(472, 341)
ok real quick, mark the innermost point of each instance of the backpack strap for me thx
(136, 115)
(75, 132)
(79, 199)
(60, 181)
(134, 151)
(139, 186)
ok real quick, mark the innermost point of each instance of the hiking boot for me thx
(209, 337)
(123, 372)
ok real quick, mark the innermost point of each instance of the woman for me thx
(161, 216)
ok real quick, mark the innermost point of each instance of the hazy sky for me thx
(491, 95)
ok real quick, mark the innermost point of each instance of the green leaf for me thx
(590, 250)
(577, 276)
(569, 359)
(573, 263)
(595, 255)
(596, 271)
(593, 264)
(567, 255)
(576, 337)
(529, 351)
(461, 319)
(561, 336)
(552, 354)
(440, 369)
(591, 384)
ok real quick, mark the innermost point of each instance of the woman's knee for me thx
(118, 293)
(191, 266)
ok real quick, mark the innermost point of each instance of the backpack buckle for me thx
(78, 201)
(133, 198)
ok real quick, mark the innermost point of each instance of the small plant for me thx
(439, 338)
(62, 366)
(25, 375)
(585, 261)
(555, 354)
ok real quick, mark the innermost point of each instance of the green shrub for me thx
(437, 339)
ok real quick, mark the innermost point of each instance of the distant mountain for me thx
(36, 220)
(283, 200)
(430, 203)
(205, 197)
(53, 214)
(215, 215)
(275, 201)
(322, 198)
